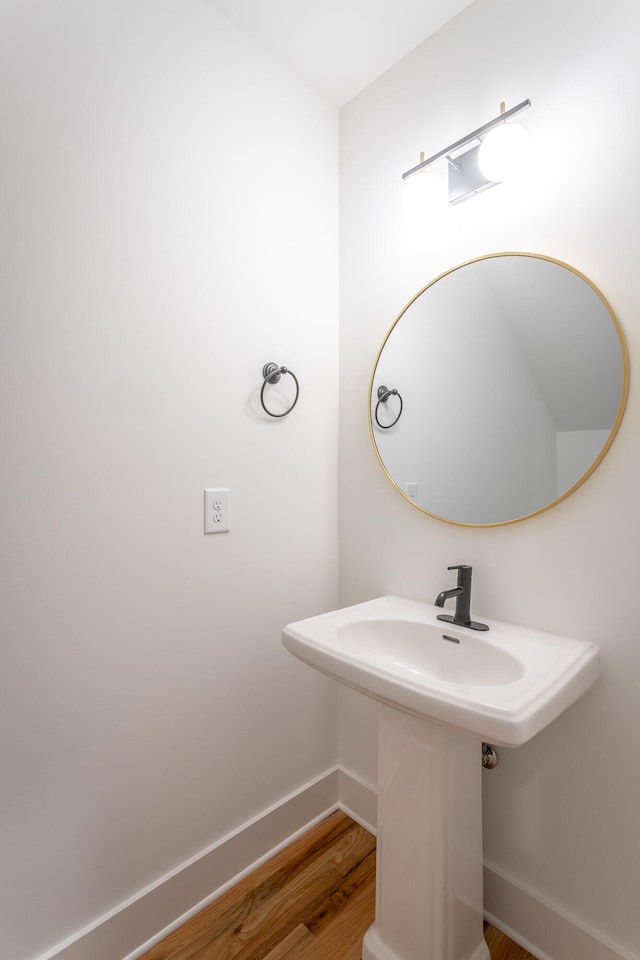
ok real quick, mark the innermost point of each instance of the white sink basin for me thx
(504, 686)
(443, 688)
(421, 649)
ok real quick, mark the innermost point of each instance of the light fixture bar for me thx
(468, 139)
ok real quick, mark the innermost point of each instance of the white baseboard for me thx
(136, 925)
(359, 800)
(539, 926)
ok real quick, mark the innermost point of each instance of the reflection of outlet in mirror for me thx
(216, 511)
(411, 490)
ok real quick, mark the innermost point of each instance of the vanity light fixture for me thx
(480, 159)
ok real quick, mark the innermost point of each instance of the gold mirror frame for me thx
(614, 428)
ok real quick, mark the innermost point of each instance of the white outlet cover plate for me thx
(216, 510)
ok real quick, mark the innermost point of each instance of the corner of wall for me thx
(134, 926)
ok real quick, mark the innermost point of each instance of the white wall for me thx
(561, 813)
(168, 223)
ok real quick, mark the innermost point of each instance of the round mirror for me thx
(498, 389)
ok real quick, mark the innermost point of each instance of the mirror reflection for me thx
(513, 374)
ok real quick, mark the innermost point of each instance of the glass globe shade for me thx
(503, 152)
(422, 194)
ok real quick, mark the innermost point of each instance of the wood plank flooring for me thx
(501, 948)
(312, 901)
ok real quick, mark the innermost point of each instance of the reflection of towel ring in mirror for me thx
(272, 373)
(383, 395)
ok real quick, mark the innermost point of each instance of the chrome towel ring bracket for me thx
(383, 396)
(272, 373)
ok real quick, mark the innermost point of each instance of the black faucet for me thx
(462, 593)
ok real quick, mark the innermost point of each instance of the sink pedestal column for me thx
(429, 852)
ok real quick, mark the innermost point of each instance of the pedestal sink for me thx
(443, 690)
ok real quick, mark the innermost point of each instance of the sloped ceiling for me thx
(340, 46)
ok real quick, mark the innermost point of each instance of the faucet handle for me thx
(460, 566)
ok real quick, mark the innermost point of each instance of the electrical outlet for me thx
(216, 511)
(411, 490)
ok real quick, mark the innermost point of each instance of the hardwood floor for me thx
(501, 948)
(312, 901)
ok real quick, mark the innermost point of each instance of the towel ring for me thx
(272, 374)
(383, 395)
